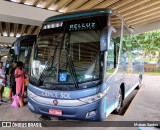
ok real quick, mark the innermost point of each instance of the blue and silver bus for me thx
(80, 66)
(21, 51)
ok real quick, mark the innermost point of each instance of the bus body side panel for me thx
(131, 70)
(114, 82)
(59, 94)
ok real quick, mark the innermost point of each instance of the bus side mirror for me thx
(105, 37)
(17, 48)
(26, 53)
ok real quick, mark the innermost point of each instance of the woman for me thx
(19, 78)
(2, 81)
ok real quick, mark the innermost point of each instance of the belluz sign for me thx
(82, 26)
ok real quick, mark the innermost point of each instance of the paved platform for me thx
(145, 106)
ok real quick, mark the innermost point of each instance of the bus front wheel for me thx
(140, 82)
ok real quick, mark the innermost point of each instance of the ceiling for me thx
(135, 12)
(16, 29)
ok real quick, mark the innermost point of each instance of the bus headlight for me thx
(94, 98)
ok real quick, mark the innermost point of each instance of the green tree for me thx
(149, 41)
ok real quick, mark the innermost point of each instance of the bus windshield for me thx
(67, 57)
(68, 52)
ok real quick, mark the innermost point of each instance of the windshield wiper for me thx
(43, 74)
(70, 62)
(72, 71)
(49, 65)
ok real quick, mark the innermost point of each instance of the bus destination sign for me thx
(82, 26)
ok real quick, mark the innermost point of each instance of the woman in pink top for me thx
(19, 78)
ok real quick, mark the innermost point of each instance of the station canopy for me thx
(142, 15)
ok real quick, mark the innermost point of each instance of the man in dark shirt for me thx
(12, 81)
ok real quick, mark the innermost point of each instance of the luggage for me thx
(7, 93)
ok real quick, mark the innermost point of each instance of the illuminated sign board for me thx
(82, 26)
(53, 25)
(90, 23)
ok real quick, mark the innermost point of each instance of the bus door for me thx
(112, 78)
(127, 61)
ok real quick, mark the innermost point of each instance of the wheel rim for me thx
(119, 102)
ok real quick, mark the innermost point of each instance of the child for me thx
(2, 81)
(19, 78)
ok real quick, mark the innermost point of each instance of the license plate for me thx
(55, 112)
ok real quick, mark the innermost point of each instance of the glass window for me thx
(76, 55)
(70, 52)
(111, 56)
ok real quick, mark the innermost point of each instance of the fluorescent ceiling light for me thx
(18, 35)
(39, 6)
(50, 8)
(14, 0)
(4, 34)
(11, 34)
(27, 3)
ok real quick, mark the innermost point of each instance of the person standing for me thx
(11, 81)
(19, 78)
(2, 81)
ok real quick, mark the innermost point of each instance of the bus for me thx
(80, 66)
(21, 51)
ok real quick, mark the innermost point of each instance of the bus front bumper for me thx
(91, 111)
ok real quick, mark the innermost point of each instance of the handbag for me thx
(7, 93)
(15, 103)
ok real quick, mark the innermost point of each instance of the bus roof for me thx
(78, 14)
(25, 37)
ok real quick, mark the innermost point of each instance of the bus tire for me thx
(120, 102)
(61, 118)
(140, 82)
(44, 118)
